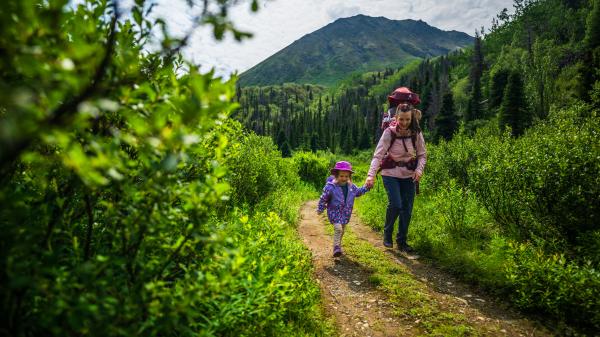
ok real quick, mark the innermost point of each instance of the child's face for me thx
(343, 177)
(404, 119)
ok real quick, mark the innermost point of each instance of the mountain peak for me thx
(362, 17)
(358, 43)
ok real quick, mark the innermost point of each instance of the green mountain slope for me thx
(356, 44)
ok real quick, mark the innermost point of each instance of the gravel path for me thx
(361, 309)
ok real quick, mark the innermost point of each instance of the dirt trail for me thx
(360, 309)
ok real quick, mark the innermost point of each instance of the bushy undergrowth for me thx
(130, 205)
(312, 167)
(259, 281)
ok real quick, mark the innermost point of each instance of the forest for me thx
(543, 67)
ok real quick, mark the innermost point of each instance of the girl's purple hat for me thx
(342, 166)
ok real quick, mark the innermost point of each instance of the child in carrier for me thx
(338, 197)
(401, 96)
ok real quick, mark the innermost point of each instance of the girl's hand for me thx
(369, 182)
(417, 176)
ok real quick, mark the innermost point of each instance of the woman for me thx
(401, 155)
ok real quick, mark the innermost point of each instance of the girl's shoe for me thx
(388, 244)
(337, 251)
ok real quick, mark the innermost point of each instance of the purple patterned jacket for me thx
(338, 209)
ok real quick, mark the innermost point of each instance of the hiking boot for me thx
(388, 244)
(337, 251)
(406, 248)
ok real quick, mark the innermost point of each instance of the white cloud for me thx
(342, 12)
(281, 22)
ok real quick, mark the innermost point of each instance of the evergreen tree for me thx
(365, 139)
(497, 86)
(474, 109)
(592, 34)
(573, 3)
(446, 121)
(513, 111)
(314, 142)
(281, 139)
(591, 73)
(286, 152)
(347, 142)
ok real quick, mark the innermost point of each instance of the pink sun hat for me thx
(342, 166)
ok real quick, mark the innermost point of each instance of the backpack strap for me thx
(413, 139)
(404, 144)
(394, 137)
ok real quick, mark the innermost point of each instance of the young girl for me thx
(338, 197)
(402, 169)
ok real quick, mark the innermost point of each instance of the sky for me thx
(278, 23)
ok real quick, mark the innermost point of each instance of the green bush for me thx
(254, 164)
(371, 207)
(286, 202)
(462, 214)
(257, 169)
(542, 183)
(495, 180)
(91, 221)
(560, 164)
(258, 283)
(312, 168)
(555, 285)
(456, 159)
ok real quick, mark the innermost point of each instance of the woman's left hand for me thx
(369, 182)
(417, 176)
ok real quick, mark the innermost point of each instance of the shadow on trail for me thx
(353, 273)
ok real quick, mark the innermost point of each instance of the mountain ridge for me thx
(355, 44)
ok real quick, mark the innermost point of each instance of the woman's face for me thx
(404, 119)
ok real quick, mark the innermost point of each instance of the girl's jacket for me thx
(338, 209)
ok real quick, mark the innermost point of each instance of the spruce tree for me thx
(592, 34)
(281, 139)
(497, 86)
(592, 44)
(446, 122)
(513, 111)
(347, 142)
(286, 152)
(474, 109)
(365, 139)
